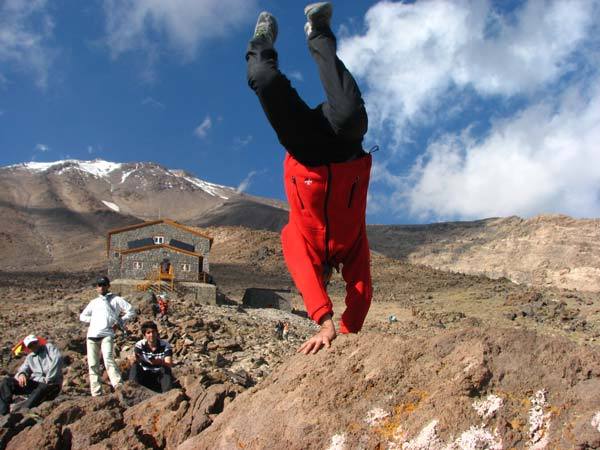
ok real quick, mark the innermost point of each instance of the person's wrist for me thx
(326, 320)
(328, 326)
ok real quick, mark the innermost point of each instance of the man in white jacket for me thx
(104, 314)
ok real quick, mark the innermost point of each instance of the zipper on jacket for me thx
(297, 192)
(327, 218)
(352, 189)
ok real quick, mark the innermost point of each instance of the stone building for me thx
(137, 251)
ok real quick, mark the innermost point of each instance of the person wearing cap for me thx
(39, 377)
(153, 360)
(104, 314)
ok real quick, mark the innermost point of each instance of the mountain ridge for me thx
(45, 205)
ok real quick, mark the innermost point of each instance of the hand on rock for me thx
(323, 338)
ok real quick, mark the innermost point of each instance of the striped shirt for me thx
(144, 353)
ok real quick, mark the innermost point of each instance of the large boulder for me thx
(473, 388)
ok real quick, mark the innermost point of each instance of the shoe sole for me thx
(323, 9)
(268, 18)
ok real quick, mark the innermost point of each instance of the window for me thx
(186, 267)
(138, 265)
(159, 240)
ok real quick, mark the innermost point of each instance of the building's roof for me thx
(189, 229)
(154, 247)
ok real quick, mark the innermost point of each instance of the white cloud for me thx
(295, 75)
(42, 148)
(149, 101)
(25, 31)
(185, 24)
(245, 184)
(202, 130)
(413, 56)
(523, 85)
(543, 160)
(241, 142)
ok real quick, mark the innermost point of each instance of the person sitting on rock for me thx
(153, 360)
(39, 377)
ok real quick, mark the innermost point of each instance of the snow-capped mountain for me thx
(139, 189)
(120, 178)
(118, 174)
(44, 205)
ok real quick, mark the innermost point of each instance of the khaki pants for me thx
(94, 348)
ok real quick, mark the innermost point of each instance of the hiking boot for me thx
(318, 16)
(10, 420)
(266, 27)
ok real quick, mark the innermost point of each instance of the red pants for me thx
(327, 228)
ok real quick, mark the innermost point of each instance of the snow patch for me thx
(539, 422)
(111, 206)
(213, 189)
(338, 442)
(126, 174)
(486, 408)
(97, 168)
(37, 166)
(596, 421)
(375, 415)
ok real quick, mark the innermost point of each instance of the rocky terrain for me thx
(547, 250)
(445, 361)
(481, 335)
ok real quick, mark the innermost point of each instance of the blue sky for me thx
(480, 108)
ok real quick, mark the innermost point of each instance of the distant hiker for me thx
(39, 377)
(163, 308)
(279, 330)
(165, 265)
(286, 330)
(153, 360)
(326, 173)
(105, 314)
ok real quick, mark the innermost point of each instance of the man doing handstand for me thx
(326, 173)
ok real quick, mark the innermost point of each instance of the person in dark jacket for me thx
(326, 173)
(39, 377)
